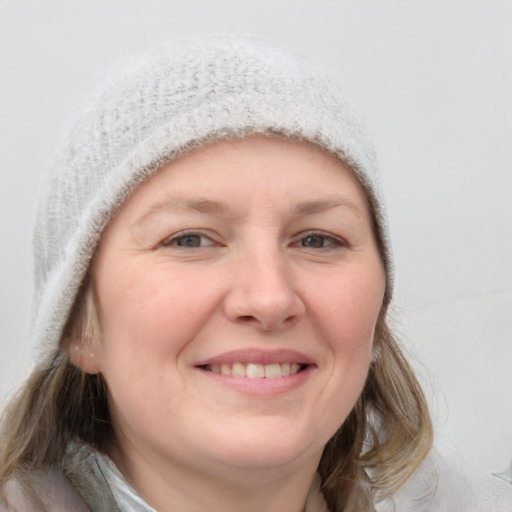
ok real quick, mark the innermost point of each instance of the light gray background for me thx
(434, 80)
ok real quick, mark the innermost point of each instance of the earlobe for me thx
(84, 356)
(83, 335)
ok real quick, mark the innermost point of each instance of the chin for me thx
(266, 458)
(267, 448)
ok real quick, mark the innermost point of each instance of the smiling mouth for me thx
(256, 370)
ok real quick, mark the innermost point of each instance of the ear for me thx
(83, 333)
(85, 355)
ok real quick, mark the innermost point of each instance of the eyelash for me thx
(172, 241)
(332, 241)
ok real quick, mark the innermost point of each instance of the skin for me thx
(260, 246)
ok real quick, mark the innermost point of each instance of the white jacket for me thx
(93, 484)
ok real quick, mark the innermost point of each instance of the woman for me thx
(213, 273)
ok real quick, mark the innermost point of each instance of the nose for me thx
(263, 292)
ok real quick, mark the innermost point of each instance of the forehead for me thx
(215, 177)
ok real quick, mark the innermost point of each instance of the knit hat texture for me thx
(157, 107)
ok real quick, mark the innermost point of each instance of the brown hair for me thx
(55, 406)
(383, 440)
(385, 437)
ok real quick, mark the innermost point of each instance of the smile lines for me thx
(255, 370)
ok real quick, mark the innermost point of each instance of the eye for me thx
(319, 241)
(187, 240)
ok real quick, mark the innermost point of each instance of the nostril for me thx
(267, 324)
(246, 318)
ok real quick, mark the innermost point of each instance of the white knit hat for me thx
(160, 105)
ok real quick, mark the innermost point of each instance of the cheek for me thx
(353, 315)
(146, 325)
(349, 308)
(146, 316)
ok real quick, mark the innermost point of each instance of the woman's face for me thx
(237, 292)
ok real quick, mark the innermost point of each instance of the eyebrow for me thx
(321, 205)
(204, 205)
(176, 204)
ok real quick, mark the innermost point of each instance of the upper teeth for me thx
(254, 370)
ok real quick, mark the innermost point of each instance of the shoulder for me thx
(439, 485)
(51, 488)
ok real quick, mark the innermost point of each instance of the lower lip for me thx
(270, 387)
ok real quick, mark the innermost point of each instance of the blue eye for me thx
(187, 240)
(316, 241)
